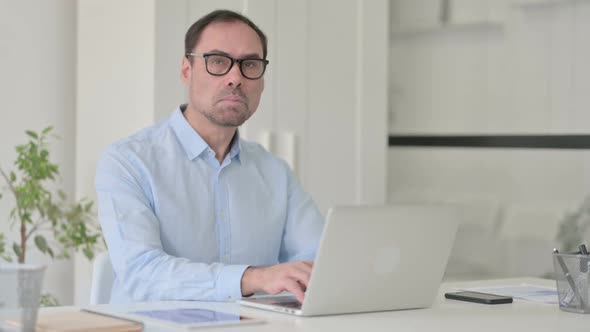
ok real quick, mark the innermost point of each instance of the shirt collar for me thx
(192, 143)
(236, 147)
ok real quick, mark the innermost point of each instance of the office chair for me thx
(102, 279)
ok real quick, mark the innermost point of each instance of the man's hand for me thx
(292, 277)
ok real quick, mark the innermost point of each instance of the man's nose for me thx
(234, 76)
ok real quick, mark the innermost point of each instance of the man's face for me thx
(228, 100)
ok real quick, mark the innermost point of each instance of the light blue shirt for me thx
(181, 226)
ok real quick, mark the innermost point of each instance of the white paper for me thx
(526, 292)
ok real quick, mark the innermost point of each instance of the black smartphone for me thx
(479, 297)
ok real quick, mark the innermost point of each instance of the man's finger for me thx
(304, 287)
(295, 289)
(302, 266)
(300, 276)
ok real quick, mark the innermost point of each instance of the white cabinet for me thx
(411, 16)
(408, 15)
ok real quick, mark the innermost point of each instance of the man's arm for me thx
(304, 225)
(132, 232)
(299, 246)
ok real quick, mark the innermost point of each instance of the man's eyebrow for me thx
(251, 56)
(245, 56)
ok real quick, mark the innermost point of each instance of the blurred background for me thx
(361, 99)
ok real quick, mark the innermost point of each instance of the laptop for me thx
(375, 258)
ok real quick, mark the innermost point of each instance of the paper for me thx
(524, 292)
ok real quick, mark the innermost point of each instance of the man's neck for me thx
(217, 137)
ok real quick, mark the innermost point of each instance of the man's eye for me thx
(251, 64)
(217, 61)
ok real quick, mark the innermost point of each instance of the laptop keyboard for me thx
(283, 301)
(293, 305)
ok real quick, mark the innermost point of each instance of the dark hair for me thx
(221, 15)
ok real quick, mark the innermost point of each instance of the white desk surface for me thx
(444, 315)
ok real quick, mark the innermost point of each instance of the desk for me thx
(444, 315)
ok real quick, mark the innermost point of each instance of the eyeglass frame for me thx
(233, 60)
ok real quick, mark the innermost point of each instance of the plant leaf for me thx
(41, 243)
(88, 206)
(47, 130)
(32, 134)
(12, 177)
(16, 249)
(50, 252)
(2, 249)
(88, 253)
(48, 300)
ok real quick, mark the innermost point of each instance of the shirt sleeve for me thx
(132, 232)
(304, 225)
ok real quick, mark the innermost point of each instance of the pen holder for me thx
(571, 275)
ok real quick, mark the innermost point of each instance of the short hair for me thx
(193, 34)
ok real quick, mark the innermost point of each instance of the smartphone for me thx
(479, 297)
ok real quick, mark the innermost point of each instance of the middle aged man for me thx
(189, 210)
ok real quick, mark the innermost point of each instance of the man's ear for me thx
(185, 71)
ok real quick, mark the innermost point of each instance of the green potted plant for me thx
(42, 214)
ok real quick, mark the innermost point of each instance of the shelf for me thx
(459, 26)
(542, 3)
(555, 141)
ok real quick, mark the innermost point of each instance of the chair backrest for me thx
(102, 279)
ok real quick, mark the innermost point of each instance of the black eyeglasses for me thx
(219, 65)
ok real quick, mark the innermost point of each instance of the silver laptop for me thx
(375, 258)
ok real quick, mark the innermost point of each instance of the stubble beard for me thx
(228, 116)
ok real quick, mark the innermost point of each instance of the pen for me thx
(583, 260)
(569, 278)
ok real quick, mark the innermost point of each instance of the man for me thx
(189, 210)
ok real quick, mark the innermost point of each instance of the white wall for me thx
(37, 89)
(115, 89)
(498, 67)
(170, 27)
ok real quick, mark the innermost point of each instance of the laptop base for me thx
(281, 303)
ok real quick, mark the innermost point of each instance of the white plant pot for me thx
(20, 290)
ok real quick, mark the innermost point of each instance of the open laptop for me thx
(375, 258)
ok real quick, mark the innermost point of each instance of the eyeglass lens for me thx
(221, 65)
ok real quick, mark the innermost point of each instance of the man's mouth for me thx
(235, 98)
